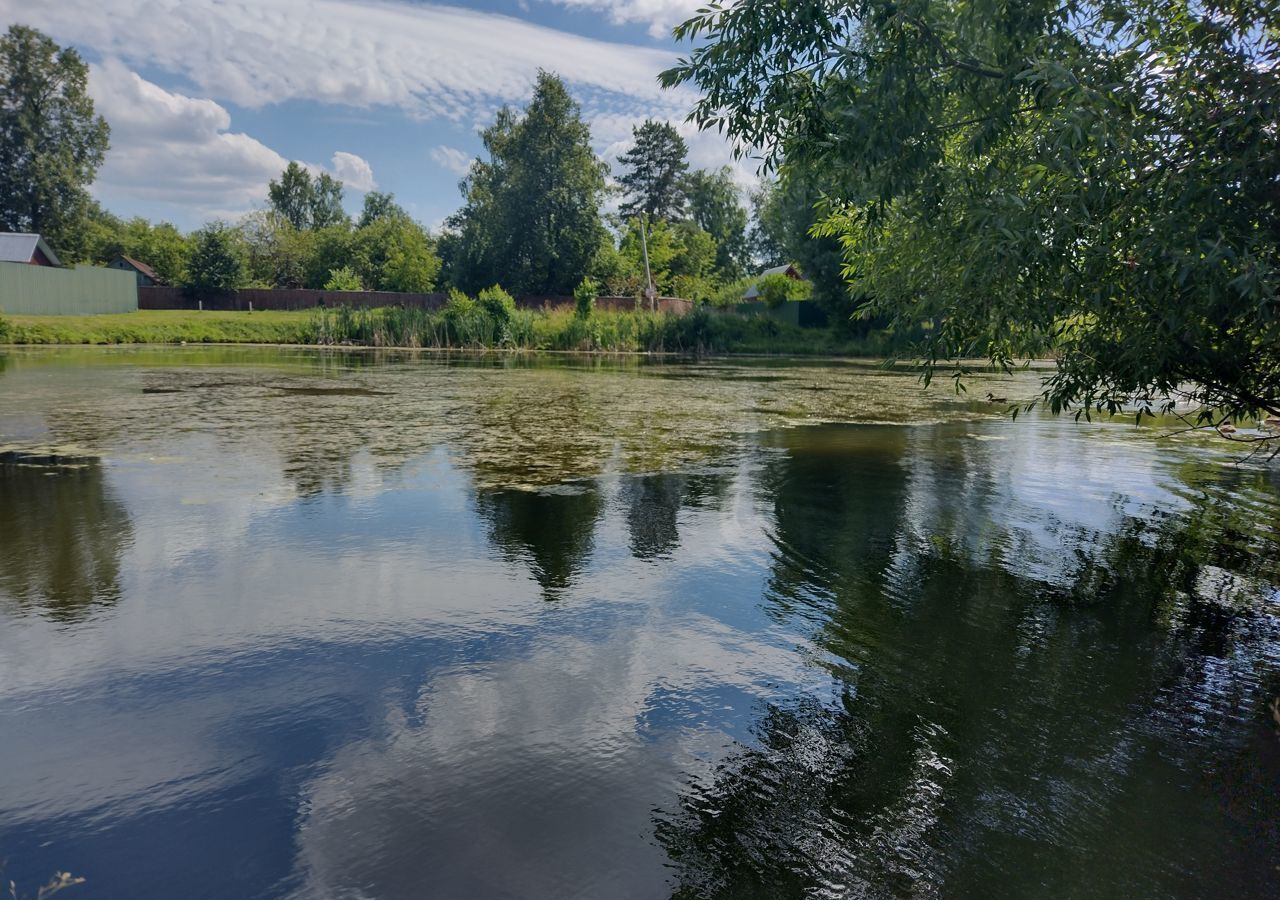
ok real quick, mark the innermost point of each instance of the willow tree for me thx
(1093, 180)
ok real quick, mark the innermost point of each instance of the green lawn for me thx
(165, 326)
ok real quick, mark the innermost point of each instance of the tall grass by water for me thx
(463, 326)
(482, 323)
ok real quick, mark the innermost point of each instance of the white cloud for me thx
(167, 148)
(176, 151)
(427, 60)
(660, 15)
(353, 171)
(452, 159)
(707, 149)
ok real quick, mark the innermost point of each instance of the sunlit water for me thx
(295, 624)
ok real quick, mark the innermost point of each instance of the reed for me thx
(464, 323)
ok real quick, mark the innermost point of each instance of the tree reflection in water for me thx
(62, 535)
(552, 532)
(996, 733)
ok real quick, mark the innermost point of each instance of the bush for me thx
(343, 278)
(499, 306)
(777, 289)
(217, 261)
(584, 298)
(466, 324)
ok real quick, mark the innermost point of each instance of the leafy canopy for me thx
(51, 143)
(714, 206)
(306, 202)
(217, 261)
(786, 215)
(531, 220)
(1095, 180)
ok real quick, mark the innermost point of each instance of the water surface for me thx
(353, 625)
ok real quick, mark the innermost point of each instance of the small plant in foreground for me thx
(584, 298)
(343, 278)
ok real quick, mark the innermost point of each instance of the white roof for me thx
(19, 247)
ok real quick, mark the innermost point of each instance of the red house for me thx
(27, 249)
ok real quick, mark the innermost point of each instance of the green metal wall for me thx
(46, 291)
(788, 312)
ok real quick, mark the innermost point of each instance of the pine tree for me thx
(654, 181)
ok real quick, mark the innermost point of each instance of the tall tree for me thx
(1094, 179)
(326, 202)
(394, 253)
(378, 205)
(306, 202)
(714, 206)
(655, 166)
(786, 214)
(217, 260)
(531, 221)
(51, 142)
(291, 197)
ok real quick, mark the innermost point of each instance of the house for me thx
(789, 269)
(146, 275)
(27, 249)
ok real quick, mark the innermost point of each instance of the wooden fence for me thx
(177, 298)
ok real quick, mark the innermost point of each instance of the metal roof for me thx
(19, 247)
(142, 267)
(784, 269)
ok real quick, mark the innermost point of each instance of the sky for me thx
(209, 99)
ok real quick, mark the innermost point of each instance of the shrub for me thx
(217, 261)
(777, 289)
(499, 306)
(465, 322)
(584, 298)
(343, 278)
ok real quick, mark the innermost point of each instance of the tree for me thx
(292, 195)
(328, 249)
(531, 220)
(1096, 180)
(326, 203)
(305, 202)
(377, 206)
(394, 253)
(278, 254)
(681, 259)
(161, 246)
(786, 214)
(344, 279)
(217, 259)
(51, 143)
(715, 208)
(653, 182)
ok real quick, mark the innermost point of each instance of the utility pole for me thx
(648, 276)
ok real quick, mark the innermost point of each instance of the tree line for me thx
(1091, 180)
(534, 217)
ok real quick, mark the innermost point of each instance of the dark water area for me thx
(293, 624)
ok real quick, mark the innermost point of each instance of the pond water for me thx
(353, 625)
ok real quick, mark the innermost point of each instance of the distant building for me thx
(789, 269)
(146, 275)
(27, 249)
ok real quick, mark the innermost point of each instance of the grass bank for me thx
(452, 328)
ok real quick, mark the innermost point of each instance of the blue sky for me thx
(208, 99)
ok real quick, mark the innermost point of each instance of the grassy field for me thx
(699, 332)
(160, 327)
